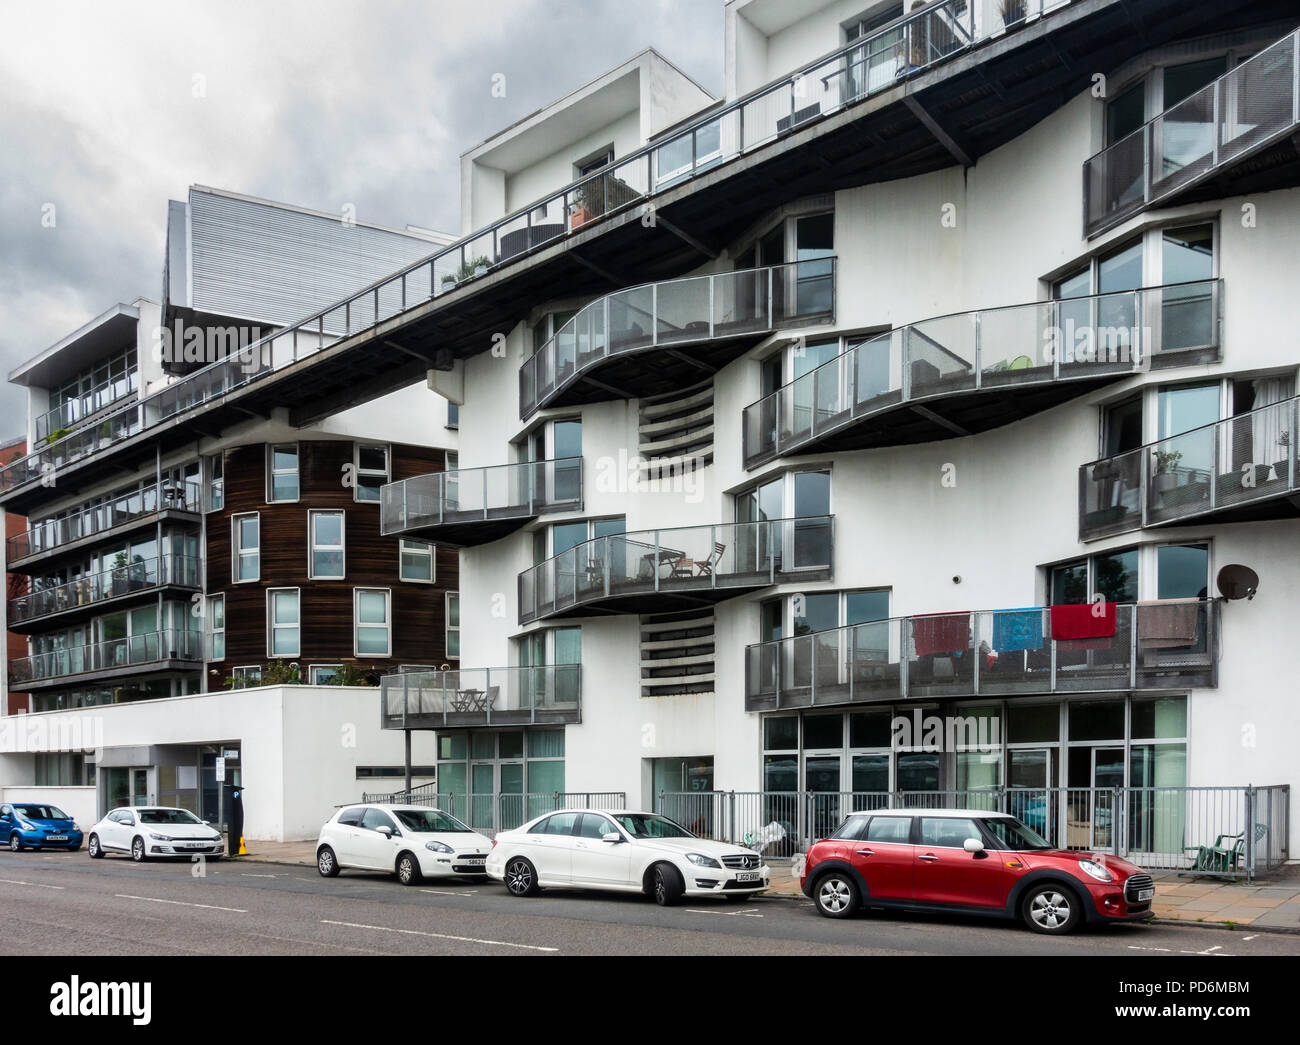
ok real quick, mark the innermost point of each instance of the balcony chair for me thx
(1221, 857)
(705, 568)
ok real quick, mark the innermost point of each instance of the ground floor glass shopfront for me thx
(498, 779)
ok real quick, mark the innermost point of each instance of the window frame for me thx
(387, 473)
(313, 546)
(447, 627)
(272, 626)
(427, 548)
(312, 669)
(213, 630)
(237, 551)
(214, 482)
(357, 624)
(272, 472)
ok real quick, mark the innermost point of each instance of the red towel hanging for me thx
(941, 632)
(1084, 620)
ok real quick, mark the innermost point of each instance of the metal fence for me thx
(1226, 832)
(491, 813)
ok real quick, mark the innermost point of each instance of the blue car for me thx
(35, 825)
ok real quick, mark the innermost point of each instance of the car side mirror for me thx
(613, 837)
(973, 845)
(385, 830)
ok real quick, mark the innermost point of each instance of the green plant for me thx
(1167, 460)
(278, 673)
(467, 270)
(349, 675)
(56, 435)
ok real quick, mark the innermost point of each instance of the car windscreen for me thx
(429, 820)
(41, 813)
(1015, 835)
(168, 816)
(648, 825)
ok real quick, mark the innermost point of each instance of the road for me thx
(67, 904)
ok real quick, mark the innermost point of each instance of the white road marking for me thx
(442, 936)
(1251, 937)
(245, 874)
(1162, 950)
(747, 912)
(181, 903)
(34, 885)
(448, 892)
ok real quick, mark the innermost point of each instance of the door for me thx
(884, 857)
(549, 846)
(482, 790)
(372, 849)
(139, 787)
(1031, 776)
(595, 861)
(1107, 774)
(946, 874)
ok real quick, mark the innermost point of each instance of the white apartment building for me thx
(941, 367)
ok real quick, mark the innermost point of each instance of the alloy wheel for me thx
(519, 878)
(1050, 909)
(834, 895)
(15, 843)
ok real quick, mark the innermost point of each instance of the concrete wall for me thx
(77, 802)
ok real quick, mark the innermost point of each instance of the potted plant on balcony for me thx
(1166, 477)
(1013, 13)
(468, 270)
(1281, 465)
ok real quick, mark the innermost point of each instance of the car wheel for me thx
(93, 847)
(15, 843)
(521, 877)
(1051, 909)
(327, 863)
(137, 849)
(408, 869)
(666, 885)
(836, 895)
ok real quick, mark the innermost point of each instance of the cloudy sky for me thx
(109, 108)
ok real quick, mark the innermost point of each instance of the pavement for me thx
(1271, 903)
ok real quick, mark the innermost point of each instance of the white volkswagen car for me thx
(145, 831)
(413, 842)
(624, 851)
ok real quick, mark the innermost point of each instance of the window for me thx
(246, 563)
(372, 472)
(214, 468)
(417, 563)
(282, 622)
(373, 819)
(327, 555)
(453, 624)
(324, 674)
(248, 675)
(453, 415)
(217, 626)
(372, 622)
(889, 829)
(282, 473)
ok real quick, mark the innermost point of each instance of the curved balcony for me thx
(133, 510)
(661, 336)
(138, 654)
(86, 595)
(652, 571)
(474, 506)
(1170, 645)
(1240, 469)
(469, 697)
(973, 371)
(1207, 137)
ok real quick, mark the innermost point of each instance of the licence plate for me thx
(1145, 894)
(56, 838)
(749, 876)
(473, 859)
(194, 845)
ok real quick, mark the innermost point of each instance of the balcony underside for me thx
(978, 101)
(471, 529)
(49, 556)
(480, 719)
(71, 614)
(157, 667)
(884, 686)
(649, 369)
(682, 594)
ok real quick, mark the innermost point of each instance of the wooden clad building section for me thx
(327, 632)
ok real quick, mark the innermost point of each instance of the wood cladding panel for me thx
(418, 611)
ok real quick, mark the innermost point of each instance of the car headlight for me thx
(1096, 870)
(438, 847)
(160, 838)
(700, 860)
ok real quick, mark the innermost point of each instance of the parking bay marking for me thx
(442, 936)
(33, 885)
(181, 903)
(448, 892)
(748, 912)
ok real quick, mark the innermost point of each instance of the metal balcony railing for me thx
(868, 66)
(481, 696)
(685, 560)
(1154, 645)
(522, 490)
(52, 534)
(1019, 345)
(1242, 460)
(149, 648)
(1246, 109)
(677, 312)
(71, 412)
(131, 577)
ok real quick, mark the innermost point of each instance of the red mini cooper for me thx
(969, 862)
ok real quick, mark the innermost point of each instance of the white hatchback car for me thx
(624, 851)
(145, 831)
(413, 842)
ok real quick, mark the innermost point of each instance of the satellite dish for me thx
(1238, 582)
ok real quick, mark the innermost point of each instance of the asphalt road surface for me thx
(67, 904)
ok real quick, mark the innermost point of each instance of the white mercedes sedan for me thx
(623, 851)
(413, 842)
